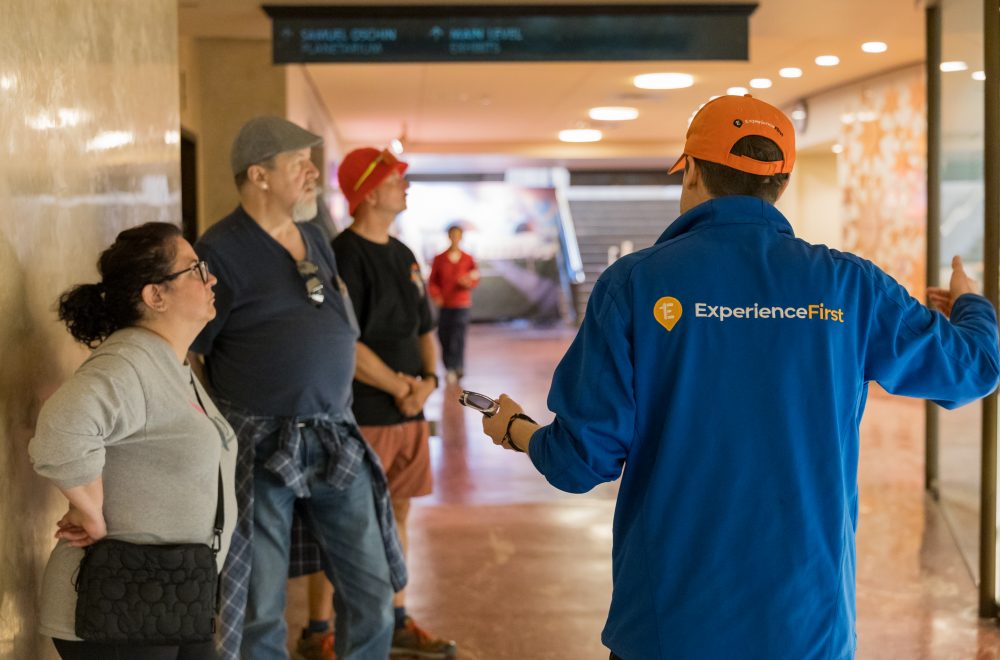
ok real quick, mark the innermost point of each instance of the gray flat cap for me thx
(264, 137)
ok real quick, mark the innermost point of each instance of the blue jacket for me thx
(726, 368)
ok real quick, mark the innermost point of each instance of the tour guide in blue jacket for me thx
(726, 368)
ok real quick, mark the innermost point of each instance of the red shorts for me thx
(405, 455)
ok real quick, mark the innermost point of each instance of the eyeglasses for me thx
(201, 267)
(314, 285)
(386, 157)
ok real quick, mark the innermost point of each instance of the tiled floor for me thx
(513, 569)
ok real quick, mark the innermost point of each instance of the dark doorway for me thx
(189, 186)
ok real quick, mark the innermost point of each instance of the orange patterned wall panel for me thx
(882, 172)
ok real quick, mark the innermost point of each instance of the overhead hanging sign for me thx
(509, 33)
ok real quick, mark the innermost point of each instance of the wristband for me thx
(431, 375)
(510, 422)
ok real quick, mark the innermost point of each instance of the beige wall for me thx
(74, 78)
(812, 202)
(306, 108)
(227, 81)
(190, 84)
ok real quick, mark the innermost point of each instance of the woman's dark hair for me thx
(721, 180)
(139, 256)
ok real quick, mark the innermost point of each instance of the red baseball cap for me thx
(723, 121)
(363, 170)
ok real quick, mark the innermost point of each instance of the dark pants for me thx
(95, 651)
(452, 326)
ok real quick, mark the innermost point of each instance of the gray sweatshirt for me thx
(130, 414)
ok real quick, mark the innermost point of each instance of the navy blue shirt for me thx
(270, 350)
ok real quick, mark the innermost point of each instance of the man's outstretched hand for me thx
(942, 299)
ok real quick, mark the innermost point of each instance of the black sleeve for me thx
(426, 317)
(351, 270)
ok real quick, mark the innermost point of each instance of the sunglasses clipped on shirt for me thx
(386, 157)
(314, 285)
(201, 267)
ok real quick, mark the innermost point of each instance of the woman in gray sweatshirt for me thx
(131, 439)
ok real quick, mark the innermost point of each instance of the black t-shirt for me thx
(390, 302)
(269, 349)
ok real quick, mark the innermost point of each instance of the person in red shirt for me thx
(453, 277)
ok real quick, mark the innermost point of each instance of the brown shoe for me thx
(411, 641)
(317, 646)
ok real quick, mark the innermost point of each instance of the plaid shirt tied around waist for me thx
(347, 454)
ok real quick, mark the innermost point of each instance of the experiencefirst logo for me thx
(668, 312)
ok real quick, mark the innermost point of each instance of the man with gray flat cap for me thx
(279, 357)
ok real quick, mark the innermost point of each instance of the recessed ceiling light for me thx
(761, 83)
(979, 75)
(737, 91)
(837, 148)
(663, 81)
(950, 67)
(580, 135)
(828, 60)
(790, 72)
(874, 47)
(613, 113)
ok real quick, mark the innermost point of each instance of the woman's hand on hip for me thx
(79, 529)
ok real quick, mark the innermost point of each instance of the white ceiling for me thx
(514, 111)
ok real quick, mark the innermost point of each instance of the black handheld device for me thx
(480, 402)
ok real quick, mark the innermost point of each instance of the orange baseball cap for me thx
(363, 170)
(723, 121)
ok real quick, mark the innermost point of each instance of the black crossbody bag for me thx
(149, 594)
(130, 593)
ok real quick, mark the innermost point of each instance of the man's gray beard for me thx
(305, 210)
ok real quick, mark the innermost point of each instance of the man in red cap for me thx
(722, 373)
(396, 356)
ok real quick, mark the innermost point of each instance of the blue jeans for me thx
(346, 527)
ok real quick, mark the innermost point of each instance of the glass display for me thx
(962, 200)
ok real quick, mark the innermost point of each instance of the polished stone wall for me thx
(89, 125)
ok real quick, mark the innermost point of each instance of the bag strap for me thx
(220, 517)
